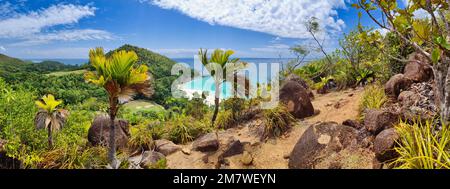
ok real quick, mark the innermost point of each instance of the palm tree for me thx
(49, 116)
(122, 80)
(222, 59)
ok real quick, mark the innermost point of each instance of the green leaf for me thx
(436, 55)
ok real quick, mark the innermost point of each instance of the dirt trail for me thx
(273, 153)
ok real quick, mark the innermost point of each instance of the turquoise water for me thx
(206, 84)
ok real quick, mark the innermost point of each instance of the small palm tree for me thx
(49, 116)
(122, 80)
(222, 58)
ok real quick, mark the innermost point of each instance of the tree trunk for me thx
(50, 138)
(112, 133)
(442, 84)
(216, 104)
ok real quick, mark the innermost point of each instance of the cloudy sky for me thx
(176, 28)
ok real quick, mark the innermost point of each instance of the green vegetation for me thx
(372, 98)
(141, 138)
(423, 146)
(63, 73)
(277, 121)
(121, 80)
(49, 117)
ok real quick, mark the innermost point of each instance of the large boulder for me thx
(397, 84)
(296, 99)
(206, 143)
(166, 147)
(302, 82)
(376, 121)
(418, 69)
(384, 144)
(319, 141)
(99, 132)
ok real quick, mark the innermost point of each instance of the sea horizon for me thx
(189, 61)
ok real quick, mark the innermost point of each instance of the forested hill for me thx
(71, 86)
(14, 69)
(159, 66)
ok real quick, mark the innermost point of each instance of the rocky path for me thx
(272, 153)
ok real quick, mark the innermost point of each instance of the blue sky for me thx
(176, 28)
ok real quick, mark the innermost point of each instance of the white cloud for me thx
(274, 48)
(284, 18)
(419, 14)
(69, 52)
(66, 35)
(2, 48)
(177, 52)
(382, 31)
(35, 27)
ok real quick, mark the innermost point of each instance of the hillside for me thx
(15, 70)
(159, 66)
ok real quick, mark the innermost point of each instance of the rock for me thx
(166, 147)
(150, 158)
(186, 151)
(376, 121)
(367, 141)
(302, 82)
(296, 99)
(397, 84)
(206, 143)
(233, 148)
(352, 123)
(247, 158)
(418, 69)
(384, 144)
(408, 98)
(98, 133)
(286, 156)
(321, 140)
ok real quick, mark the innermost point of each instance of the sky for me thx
(175, 28)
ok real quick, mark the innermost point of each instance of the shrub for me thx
(422, 146)
(373, 97)
(74, 157)
(183, 129)
(225, 120)
(141, 138)
(277, 121)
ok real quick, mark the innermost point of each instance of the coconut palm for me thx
(49, 116)
(222, 59)
(122, 80)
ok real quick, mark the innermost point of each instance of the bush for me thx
(277, 121)
(373, 97)
(225, 120)
(74, 157)
(183, 129)
(423, 146)
(141, 138)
